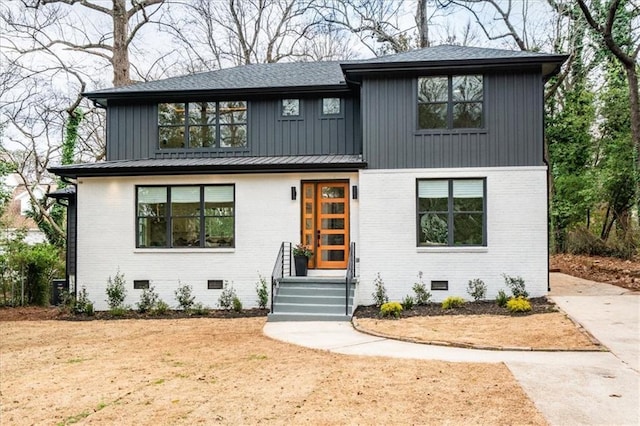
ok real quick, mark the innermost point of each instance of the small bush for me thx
(423, 296)
(477, 289)
(501, 299)
(225, 301)
(160, 308)
(452, 302)
(516, 285)
(582, 241)
(116, 291)
(82, 304)
(199, 309)
(380, 294)
(119, 311)
(263, 292)
(183, 296)
(518, 304)
(407, 303)
(88, 309)
(237, 304)
(390, 309)
(148, 300)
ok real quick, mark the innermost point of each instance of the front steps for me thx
(311, 299)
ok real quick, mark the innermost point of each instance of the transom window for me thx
(185, 216)
(291, 107)
(331, 106)
(451, 212)
(450, 102)
(202, 125)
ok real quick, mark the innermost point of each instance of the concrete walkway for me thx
(569, 388)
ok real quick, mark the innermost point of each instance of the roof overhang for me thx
(226, 165)
(63, 193)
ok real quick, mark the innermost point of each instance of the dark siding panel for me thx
(512, 134)
(71, 236)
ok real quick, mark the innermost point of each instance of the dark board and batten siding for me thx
(512, 135)
(132, 132)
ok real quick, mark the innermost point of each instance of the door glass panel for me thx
(308, 208)
(332, 224)
(333, 255)
(308, 192)
(333, 192)
(333, 208)
(308, 223)
(332, 240)
(308, 240)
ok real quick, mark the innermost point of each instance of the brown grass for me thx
(203, 371)
(538, 331)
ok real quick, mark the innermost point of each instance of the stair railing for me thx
(281, 268)
(351, 272)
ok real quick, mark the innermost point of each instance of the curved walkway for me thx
(567, 387)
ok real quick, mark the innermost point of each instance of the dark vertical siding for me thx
(71, 236)
(512, 135)
(132, 132)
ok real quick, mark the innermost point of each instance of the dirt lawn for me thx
(204, 371)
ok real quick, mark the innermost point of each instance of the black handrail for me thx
(351, 272)
(281, 268)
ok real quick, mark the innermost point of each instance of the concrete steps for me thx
(311, 299)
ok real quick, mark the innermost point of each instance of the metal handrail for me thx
(281, 268)
(351, 272)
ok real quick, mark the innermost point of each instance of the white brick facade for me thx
(265, 216)
(516, 233)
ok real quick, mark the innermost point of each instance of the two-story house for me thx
(430, 161)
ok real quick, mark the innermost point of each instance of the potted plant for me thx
(301, 255)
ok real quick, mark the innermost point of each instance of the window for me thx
(202, 125)
(451, 212)
(330, 106)
(291, 107)
(452, 102)
(185, 216)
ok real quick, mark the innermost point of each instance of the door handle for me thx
(318, 239)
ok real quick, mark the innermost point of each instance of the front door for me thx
(325, 223)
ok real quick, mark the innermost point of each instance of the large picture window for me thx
(202, 125)
(450, 102)
(185, 216)
(451, 212)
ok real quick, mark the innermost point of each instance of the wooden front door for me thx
(325, 223)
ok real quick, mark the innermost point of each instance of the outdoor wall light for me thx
(354, 192)
(294, 193)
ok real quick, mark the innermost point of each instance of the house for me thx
(428, 162)
(15, 219)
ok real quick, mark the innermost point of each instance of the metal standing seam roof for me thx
(213, 165)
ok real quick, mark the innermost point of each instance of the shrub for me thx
(148, 300)
(408, 302)
(516, 285)
(262, 291)
(116, 291)
(453, 302)
(160, 308)
(390, 309)
(225, 301)
(199, 309)
(477, 289)
(582, 241)
(183, 296)
(501, 299)
(518, 304)
(380, 294)
(237, 304)
(82, 304)
(423, 296)
(119, 311)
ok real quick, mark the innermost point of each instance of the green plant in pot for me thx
(301, 255)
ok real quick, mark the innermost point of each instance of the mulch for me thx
(539, 305)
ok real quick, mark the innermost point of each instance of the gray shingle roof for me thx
(212, 165)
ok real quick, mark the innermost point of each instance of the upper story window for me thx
(291, 108)
(450, 102)
(202, 125)
(451, 212)
(331, 106)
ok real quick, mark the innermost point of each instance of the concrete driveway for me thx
(569, 388)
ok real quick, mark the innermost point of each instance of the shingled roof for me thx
(315, 77)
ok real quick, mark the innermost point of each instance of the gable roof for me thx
(323, 77)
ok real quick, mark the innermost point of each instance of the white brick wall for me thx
(265, 216)
(516, 233)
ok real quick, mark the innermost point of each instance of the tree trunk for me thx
(422, 24)
(634, 103)
(120, 55)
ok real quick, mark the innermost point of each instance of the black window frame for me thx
(217, 128)
(450, 214)
(450, 103)
(169, 217)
